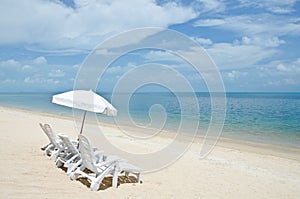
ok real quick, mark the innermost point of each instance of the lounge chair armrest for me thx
(108, 162)
(129, 167)
(98, 155)
(114, 157)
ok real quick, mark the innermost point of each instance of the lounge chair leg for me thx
(126, 174)
(94, 186)
(115, 179)
(72, 167)
(73, 175)
(48, 149)
(138, 177)
(58, 163)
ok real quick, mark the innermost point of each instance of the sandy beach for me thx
(234, 169)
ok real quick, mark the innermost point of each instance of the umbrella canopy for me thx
(85, 100)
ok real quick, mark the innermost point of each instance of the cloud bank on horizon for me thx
(255, 44)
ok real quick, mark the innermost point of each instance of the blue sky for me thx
(254, 43)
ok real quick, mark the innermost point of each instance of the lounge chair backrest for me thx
(86, 153)
(67, 142)
(52, 137)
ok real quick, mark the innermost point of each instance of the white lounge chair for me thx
(99, 168)
(55, 146)
(71, 157)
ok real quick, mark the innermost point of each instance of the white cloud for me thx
(284, 67)
(153, 56)
(275, 6)
(131, 38)
(260, 38)
(254, 25)
(28, 74)
(210, 5)
(290, 81)
(287, 67)
(57, 73)
(260, 35)
(281, 67)
(209, 22)
(280, 73)
(280, 10)
(10, 64)
(40, 80)
(28, 80)
(120, 69)
(234, 75)
(76, 66)
(232, 56)
(261, 41)
(27, 68)
(8, 81)
(26, 65)
(40, 60)
(152, 74)
(202, 41)
(53, 25)
(282, 82)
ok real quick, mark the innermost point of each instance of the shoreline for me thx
(253, 128)
(226, 142)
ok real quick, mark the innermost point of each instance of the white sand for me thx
(233, 170)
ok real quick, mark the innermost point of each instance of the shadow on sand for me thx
(107, 181)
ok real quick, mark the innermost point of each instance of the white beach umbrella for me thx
(85, 100)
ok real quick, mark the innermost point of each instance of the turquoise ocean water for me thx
(259, 117)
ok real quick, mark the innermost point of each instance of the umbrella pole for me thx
(82, 122)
